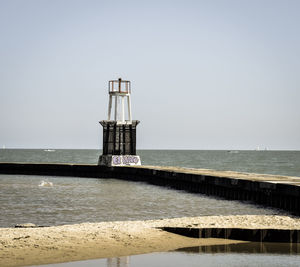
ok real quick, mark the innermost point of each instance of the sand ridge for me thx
(29, 246)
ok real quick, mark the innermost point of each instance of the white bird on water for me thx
(46, 183)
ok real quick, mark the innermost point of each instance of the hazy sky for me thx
(205, 74)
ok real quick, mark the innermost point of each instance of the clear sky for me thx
(205, 74)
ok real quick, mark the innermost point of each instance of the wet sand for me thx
(33, 246)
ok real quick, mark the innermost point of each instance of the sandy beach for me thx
(29, 246)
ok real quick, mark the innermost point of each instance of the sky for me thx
(218, 74)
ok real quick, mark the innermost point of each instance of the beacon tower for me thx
(119, 133)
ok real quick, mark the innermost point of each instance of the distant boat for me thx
(49, 150)
(3, 147)
(257, 149)
(46, 183)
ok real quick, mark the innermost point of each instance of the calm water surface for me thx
(235, 255)
(74, 200)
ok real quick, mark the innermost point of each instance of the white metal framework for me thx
(120, 90)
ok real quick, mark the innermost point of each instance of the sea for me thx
(54, 200)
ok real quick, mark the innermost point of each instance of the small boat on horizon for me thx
(49, 150)
(46, 184)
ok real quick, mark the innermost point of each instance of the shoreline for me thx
(55, 244)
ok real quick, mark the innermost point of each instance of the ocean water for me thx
(72, 200)
(67, 200)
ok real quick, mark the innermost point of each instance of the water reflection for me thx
(118, 262)
(242, 254)
(249, 248)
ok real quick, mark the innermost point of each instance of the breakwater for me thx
(281, 192)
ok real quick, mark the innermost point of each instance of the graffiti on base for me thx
(116, 160)
(125, 160)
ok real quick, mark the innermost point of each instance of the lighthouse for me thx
(119, 130)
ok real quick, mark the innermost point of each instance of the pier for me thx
(282, 192)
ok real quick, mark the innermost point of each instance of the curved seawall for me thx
(281, 192)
